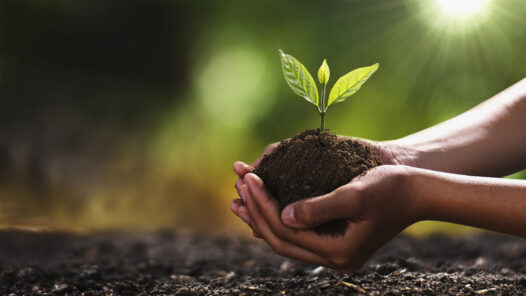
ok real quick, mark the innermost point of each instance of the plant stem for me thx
(322, 128)
(323, 109)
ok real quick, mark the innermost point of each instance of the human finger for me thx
(342, 203)
(234, 205)
(239, 182)
(241, 168)
(279, 246)
(244, 215)
(269, 210)
(239, 209)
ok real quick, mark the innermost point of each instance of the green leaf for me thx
(324, 73)
(299, 79)
(350, 83)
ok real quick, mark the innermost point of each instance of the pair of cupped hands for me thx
(376, 205)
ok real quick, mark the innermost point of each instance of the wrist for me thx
(410, 181)
(399, 153)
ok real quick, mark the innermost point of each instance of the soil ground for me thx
(169, 263)
(312, 164)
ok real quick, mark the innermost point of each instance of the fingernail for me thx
(244, 218)
(243, 198)
(288, 215)
(253, 179)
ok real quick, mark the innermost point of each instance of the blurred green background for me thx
(129, 114)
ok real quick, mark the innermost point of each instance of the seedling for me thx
(302, 83)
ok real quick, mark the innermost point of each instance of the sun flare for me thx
(462, 8)
(456, 17)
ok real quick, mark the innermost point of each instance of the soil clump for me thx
(312, 164)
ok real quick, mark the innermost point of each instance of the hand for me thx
(375, 205)
(392, 152)
(241, 169)
(389, 153)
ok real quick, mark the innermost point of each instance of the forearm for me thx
(490, 203)
(488, 140)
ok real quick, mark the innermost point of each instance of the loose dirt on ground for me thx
(170, 263)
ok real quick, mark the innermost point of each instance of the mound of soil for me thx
(312, 164)
(171, 263)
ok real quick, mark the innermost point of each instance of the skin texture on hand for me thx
(490, 203)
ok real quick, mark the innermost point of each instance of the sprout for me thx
(302, 83)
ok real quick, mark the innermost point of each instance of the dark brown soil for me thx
(312, 164)
(169, 263)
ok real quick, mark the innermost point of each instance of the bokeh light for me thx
(234, 82)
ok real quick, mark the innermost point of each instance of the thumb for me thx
(311, 212)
